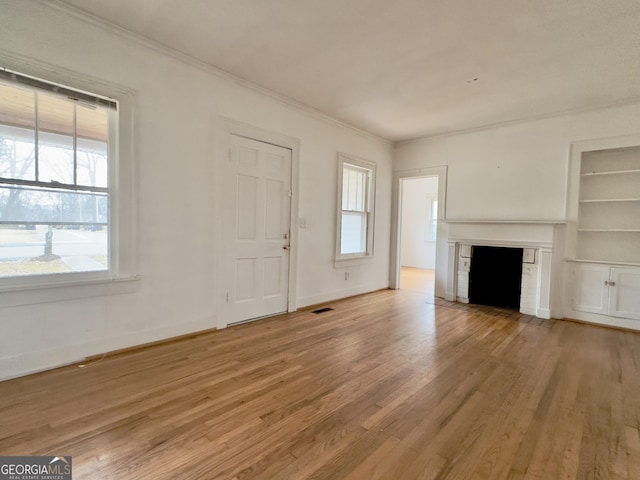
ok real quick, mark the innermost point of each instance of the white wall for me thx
(416, 248)
(177, 107)
(513, 172)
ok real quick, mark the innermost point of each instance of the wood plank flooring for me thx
(385, 386)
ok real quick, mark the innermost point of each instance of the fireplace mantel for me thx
(529, 234)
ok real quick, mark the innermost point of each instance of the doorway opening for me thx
(418, 234)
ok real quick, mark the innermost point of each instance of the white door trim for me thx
(228, 127)
(396, 208)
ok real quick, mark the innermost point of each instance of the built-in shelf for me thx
(613, 172)
(608, 227)
(602, 281)
(514, 222)
(611, 200)
(602, 262)
(609, 230)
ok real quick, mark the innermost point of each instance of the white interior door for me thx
(257, 212)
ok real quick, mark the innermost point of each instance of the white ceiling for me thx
(403, 69)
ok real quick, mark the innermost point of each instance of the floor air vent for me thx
(322, 310)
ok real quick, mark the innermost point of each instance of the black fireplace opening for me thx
(495, 276)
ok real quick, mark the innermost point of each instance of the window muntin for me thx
(356, 212)
(54, 180)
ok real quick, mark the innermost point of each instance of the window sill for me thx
(352, 261)
(56, 291)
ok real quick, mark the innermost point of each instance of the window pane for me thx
(92, 163)
(359, 188)
(35, 205)
(17, 107)
(55, 139)
(92, 132)
(43, 249)
(345, 188)
(17, 133)
(353, 189)
(353, 233)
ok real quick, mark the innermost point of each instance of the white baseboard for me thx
(598, 319)
(41, 360)
(340, 294)
(543, 313)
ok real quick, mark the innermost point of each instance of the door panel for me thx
(272, 276)
(590, 288)
(246, 198)
(257, 214)
(625, 293)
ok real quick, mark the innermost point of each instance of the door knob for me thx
(286, 247)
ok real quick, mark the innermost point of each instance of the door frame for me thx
(396, 208)
(228, 127)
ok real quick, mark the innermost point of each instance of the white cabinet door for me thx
(591, 290)
(624, 293)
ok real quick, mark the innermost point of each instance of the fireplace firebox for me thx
(495, 276)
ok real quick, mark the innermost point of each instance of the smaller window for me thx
(356, 193)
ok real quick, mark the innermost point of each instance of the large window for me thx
(356, 208)
(55, 192)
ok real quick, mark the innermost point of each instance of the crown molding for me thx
(492, 126)
(166, 50)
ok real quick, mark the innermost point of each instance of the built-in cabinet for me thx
(604, 257)
(606, 290)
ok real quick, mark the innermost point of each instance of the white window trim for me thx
(122, 276)
(346, 260)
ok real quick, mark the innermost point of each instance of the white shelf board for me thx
(507, 222)
(602, 262)
(611, 200)
(614, 230)
(613, 172)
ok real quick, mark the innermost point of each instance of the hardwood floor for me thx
(385, 385)
(419, 280)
